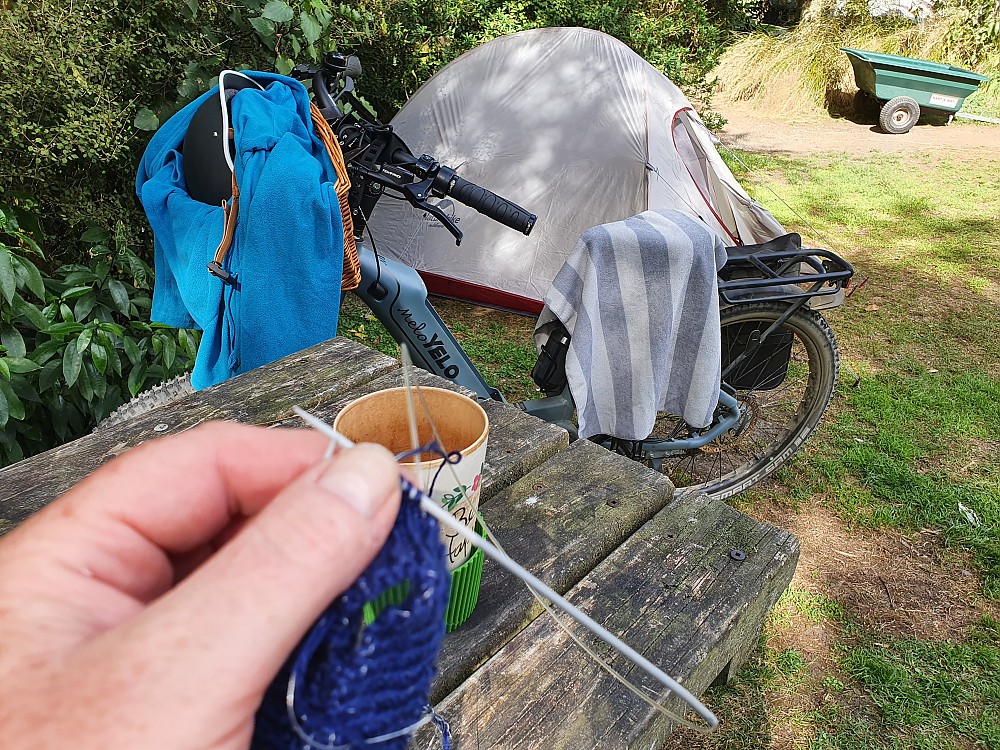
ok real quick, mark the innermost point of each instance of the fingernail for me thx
(363, 477)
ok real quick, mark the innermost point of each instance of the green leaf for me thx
(81, 276)
(71, 364)
(263, 27)
(99, 356)
(13, 341)
(85, 385)
(4, 411)
(63, 329)
(34, 279)
(44, 351)
(120, 295)
(136, 378)
(74, 292)
(19, 364)
(311, 28)
(8, 281)
(30, 313)
(132, 351)
(24, 390)
(4, 369)
(278, 11)
(14, 406)
(114, 360)
(169, 352)
(283, 65)
(113, 328)
(83, 340)
(146, 119)
(95, 233)
(84, 306)
(98, 383)
(65, 313)
(192, 6)
(49, 375)
(13, 452)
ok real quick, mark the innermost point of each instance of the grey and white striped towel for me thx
(640, 301)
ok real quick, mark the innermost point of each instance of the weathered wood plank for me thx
(322, 379)
(558, 521)
(260, 396)
(675, 594)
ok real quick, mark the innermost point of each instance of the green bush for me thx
(73, 346)
(411, 39)
(73, 76)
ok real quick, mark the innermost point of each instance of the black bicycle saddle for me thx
(207, 172)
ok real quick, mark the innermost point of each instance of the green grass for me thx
(915, 443)
(927, 695)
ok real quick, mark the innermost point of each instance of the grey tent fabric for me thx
(577, 128)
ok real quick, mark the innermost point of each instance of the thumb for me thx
(254, 599)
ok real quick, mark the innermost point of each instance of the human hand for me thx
(151, 606)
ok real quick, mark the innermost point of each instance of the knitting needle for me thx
(404, 354)
(446, 519)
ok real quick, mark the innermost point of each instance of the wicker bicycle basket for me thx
(352, 266)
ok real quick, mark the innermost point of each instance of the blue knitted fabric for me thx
(354, 683)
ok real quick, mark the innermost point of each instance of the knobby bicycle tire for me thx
(157, 396)
(774, 422)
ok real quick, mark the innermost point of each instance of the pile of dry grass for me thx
(802, 72)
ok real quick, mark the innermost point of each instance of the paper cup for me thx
(382, 417)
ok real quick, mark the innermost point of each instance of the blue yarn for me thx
(432, 447)
(354, 683)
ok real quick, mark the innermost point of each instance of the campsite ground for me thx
(749, 131)
(889, 636)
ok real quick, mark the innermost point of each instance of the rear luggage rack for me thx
(781, 274)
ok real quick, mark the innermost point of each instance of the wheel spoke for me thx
(772, 420)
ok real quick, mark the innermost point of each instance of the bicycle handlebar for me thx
(425, 175)
(492, 205)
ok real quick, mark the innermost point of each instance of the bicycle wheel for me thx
(158, 395)
(783, 390)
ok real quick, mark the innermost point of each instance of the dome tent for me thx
(575, 127)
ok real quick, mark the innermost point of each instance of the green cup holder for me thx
(462, 597)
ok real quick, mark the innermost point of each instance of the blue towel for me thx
(288, 249)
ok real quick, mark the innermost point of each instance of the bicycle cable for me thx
(378, 263)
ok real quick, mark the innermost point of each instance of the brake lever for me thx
(440, 215)
(417, 194)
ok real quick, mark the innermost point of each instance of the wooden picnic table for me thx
(686, 580)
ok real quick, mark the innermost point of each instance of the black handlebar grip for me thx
(492, 205)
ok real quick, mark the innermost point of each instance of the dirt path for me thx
(752, 132)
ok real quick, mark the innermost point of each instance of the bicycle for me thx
(780, 358)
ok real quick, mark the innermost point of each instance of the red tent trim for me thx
(468, 291)
(673, 123)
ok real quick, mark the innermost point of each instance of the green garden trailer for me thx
(902, 86)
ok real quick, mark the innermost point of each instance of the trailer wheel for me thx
(899, 115)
